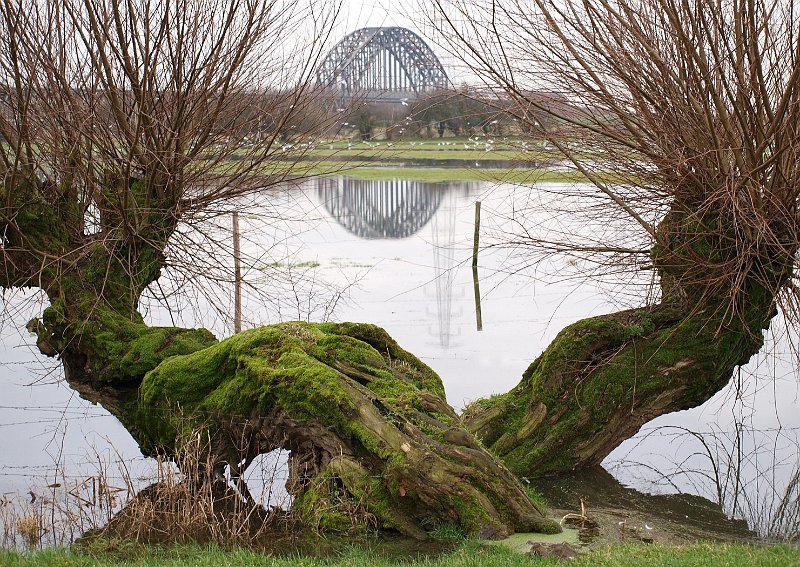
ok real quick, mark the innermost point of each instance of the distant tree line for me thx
(446, 112)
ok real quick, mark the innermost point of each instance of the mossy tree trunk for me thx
(93, 278)
(602, 378)
(370, 436)
(366, 423)
(101, 158)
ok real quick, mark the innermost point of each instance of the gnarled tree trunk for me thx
(102, 157)
(365, 422)
(603, 378)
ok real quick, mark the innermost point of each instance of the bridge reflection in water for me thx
(399, 208)
(389, 208)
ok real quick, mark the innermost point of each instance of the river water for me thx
(398, 254)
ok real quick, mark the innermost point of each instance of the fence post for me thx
(475, 285)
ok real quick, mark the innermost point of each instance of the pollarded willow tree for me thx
(683, 117)
(119, 122)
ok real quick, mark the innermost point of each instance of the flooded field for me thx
(398, 254)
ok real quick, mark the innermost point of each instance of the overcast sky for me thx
(369, 13)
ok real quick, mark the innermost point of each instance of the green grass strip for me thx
(468, 554)
(368, 171)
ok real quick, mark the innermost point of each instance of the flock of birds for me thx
(476, 143)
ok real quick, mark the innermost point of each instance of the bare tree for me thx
(120, 121)
(683, 118)
(123, 122)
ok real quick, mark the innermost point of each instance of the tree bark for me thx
(370, 435)
(365, 422)
(603, 378)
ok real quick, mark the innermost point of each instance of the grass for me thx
(514, 143)
(463, 149)
(696, 555)
(433, 153)
(468, 554)
(306, 264)
(369, 171)
(376, 160)
(433, 175)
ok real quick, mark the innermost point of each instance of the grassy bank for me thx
(470, 554)
(466, 148)
(422, 160)
(461, 149)
(434, 175)
(373, 171)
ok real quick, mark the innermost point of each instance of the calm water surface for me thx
(398, 253)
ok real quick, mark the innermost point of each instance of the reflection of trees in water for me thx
(399, 208)
(751, 473)
(389, 208)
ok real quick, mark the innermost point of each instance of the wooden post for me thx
(237, 270)
(475, 285)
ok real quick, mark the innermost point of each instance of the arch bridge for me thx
(385, 64)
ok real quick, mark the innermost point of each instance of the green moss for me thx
(325, 506)
(420, 375)
(45, 223)
(292, 366)
(117, 350)
(323, 377)
(472, 516)
(345, 497)
(599, 368)
(250, 370)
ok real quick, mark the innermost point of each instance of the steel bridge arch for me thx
(390, 64)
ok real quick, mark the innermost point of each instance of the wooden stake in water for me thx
(475, 285)
(237, 282)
